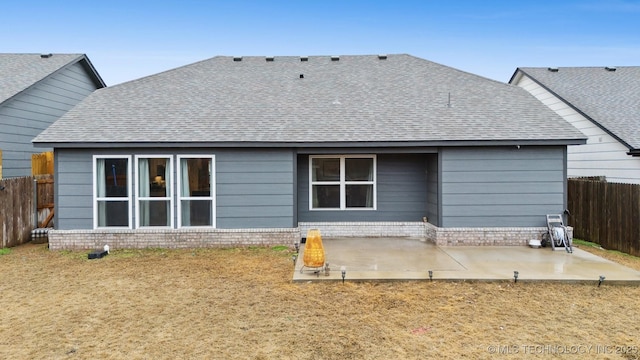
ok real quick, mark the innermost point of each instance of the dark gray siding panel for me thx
(244, 189)
(401, 191)
(432, 189)
(501, 186)
(23, 117)
(254, 188)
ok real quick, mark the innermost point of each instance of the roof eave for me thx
(93, 73)
(86, 64)
(576, 109)
(317, 144)
(516, 75)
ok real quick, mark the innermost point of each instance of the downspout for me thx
(565, 186)
(35, 203)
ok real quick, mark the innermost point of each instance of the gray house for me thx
(35, 90)
(257, 150)
(601, 102)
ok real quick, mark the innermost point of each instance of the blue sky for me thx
(127, 40)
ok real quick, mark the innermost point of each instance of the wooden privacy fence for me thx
(44, 196)
(16, 211)
(42, 164)
(605, 213)
(26, 203)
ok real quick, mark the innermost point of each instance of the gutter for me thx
(329, 144)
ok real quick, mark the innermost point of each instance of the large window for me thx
(342, 182)
(196, 191)
(112, 191)
(153, 191)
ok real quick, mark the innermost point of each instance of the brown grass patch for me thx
(241, 304)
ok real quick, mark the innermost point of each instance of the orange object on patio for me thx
(313, 250)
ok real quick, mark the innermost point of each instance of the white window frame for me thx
(106, 199)
(212, 197)
(169, 187)
(343, 182)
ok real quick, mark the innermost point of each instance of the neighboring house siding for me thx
(254, 189)
(24, 116)
(401, 192)
(501, 186)
(602, 155)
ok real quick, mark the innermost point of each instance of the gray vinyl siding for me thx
(401, 192)
(254, 188)
(24, 116)
(432, 189)
(501, 186)
(73, 190)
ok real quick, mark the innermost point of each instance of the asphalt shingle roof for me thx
(610, 98)
(354, 99)
(20, 71)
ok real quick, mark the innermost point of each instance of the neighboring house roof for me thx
(608, 96)
(18, 72)
(315, 99)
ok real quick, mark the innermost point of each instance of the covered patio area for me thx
(387, 258)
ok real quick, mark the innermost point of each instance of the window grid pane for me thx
(115, 177)
(196, 176)
(155, 212)
(358, 169)
(196, 213)
(359, 196)
(113, 213)
(326, 196)
(326, 169)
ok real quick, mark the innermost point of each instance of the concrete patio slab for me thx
(412, 259)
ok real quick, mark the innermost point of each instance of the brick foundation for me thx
(497, 236)
(365, 229)
(170, 239)
(203, 238)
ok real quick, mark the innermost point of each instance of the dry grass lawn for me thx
(241, 304)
